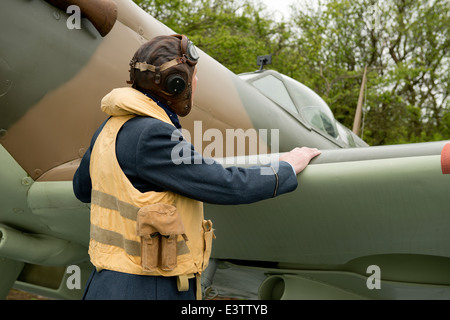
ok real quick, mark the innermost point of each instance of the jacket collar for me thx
(172, 115)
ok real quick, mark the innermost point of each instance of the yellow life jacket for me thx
(151, 233)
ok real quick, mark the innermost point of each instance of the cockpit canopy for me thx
(300, 101)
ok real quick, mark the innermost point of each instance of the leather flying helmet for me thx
(164, 67)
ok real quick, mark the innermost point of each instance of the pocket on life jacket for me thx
(208, 236)
(159, 225)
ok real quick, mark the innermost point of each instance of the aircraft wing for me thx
(354, 208)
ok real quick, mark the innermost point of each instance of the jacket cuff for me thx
(284, 175)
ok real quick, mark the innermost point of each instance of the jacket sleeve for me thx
(82, 185)
(165, 159)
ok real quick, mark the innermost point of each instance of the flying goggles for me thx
(189, 55)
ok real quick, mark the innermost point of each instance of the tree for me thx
(233, 32)
(405, 45)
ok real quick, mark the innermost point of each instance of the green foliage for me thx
(326, 45)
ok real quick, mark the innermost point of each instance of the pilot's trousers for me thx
(112, 285)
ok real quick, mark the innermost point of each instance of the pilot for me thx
(148, 236)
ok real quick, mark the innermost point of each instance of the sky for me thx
(279, 7)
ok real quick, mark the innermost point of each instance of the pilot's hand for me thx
(299, 158)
